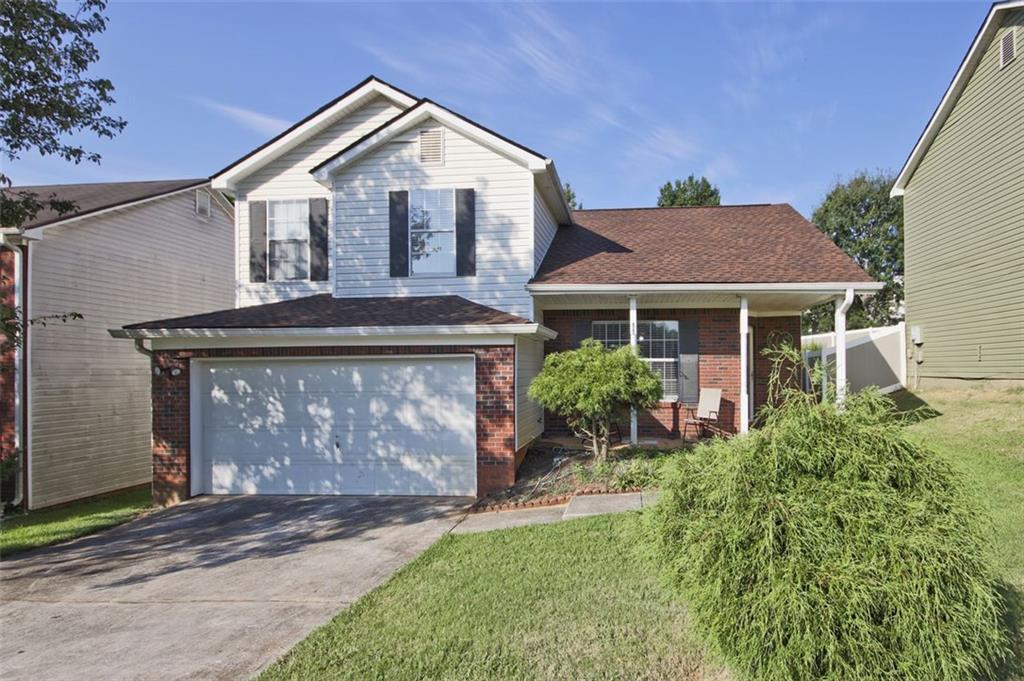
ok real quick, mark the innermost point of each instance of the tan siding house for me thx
(87, 416)
(963, 198)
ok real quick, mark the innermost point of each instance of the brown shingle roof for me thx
(94, 197)
(321, 311)
(720, 244)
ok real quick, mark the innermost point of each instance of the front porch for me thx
(694, 339)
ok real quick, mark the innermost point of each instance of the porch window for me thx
(288, 240)
(658, 343)
(432, 232)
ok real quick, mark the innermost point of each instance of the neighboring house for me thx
(963, 206)
(402, 272)
(75, 400)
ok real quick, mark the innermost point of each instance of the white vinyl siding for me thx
(287, 177)
(90, 393)
(544, 229)
(504, 222)
(529, 414)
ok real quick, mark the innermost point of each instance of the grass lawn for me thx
(573, 600)
(981, 432)
(51, 526)
(577, 600)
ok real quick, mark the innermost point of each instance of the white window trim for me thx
(453, 231)
(650, 360)
(309, 252)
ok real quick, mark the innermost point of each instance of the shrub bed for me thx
(827, 545)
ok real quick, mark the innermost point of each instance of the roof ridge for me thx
(195, 180)
(728, 205)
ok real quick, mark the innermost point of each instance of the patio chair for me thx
(705, 416)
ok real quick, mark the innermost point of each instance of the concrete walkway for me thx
(578, 507)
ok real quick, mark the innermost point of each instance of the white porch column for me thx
(842, 306)
(744, 407)
(633, 434)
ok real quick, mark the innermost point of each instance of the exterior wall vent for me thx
(1007, 47)
(432, 147)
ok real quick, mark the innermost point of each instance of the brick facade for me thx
(718, 346)
(7, 377)
(770, 331)
(495, 417)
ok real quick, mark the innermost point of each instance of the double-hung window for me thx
(658, 343)
(288, 240)
(432, 232)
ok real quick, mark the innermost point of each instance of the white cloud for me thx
(721, 167)
(254, 120)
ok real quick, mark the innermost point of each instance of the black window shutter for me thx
(582, 329)
(319, 256)
(398, 211)
(465, 232)
(257, 241)
(689, 362)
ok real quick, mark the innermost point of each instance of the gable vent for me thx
(1007, 48)
(432, 147)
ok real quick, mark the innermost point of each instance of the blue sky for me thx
(771, 102)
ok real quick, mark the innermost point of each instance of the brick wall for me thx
(7, 386)
(495, 418)
(718, 344)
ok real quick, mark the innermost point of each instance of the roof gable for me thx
(956, 87)
(311, 125)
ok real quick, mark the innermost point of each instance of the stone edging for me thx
(483, 506)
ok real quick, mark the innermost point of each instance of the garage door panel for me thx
(391, 426)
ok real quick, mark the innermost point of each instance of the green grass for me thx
(52, 526)
(574, 600)
(981, 433)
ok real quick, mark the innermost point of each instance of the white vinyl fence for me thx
(875, 356)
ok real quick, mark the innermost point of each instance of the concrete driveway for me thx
(215, 588)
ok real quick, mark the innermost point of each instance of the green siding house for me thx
(963, 203)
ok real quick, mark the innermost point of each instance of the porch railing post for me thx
(633, 434)
(744, 407)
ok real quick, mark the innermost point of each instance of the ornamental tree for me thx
(592, 386)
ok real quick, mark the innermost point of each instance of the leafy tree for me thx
(689, 192)
(46, 97)
(46, 93)
(570, 197)
(593, 385)
(861, 218)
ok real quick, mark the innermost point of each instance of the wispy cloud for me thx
(253, 120)
(721, 167)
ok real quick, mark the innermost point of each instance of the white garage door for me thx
(358, 426)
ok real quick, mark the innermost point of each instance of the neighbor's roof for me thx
(753, 244)
(323, 311)
(956, 87)
(95, 197)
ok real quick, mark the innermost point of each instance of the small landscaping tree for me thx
(592, 386)
(830, 545)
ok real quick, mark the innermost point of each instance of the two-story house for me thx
(963, 214)
(402, 270)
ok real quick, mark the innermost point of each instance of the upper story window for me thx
(288, 240)
(658, 343)
(432, 232)
(202, 203)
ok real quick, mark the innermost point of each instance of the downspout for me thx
(19, 353)
(842, 307)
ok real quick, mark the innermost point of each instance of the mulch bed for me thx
(546, 478)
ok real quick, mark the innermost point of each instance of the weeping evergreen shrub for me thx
(826, 545)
